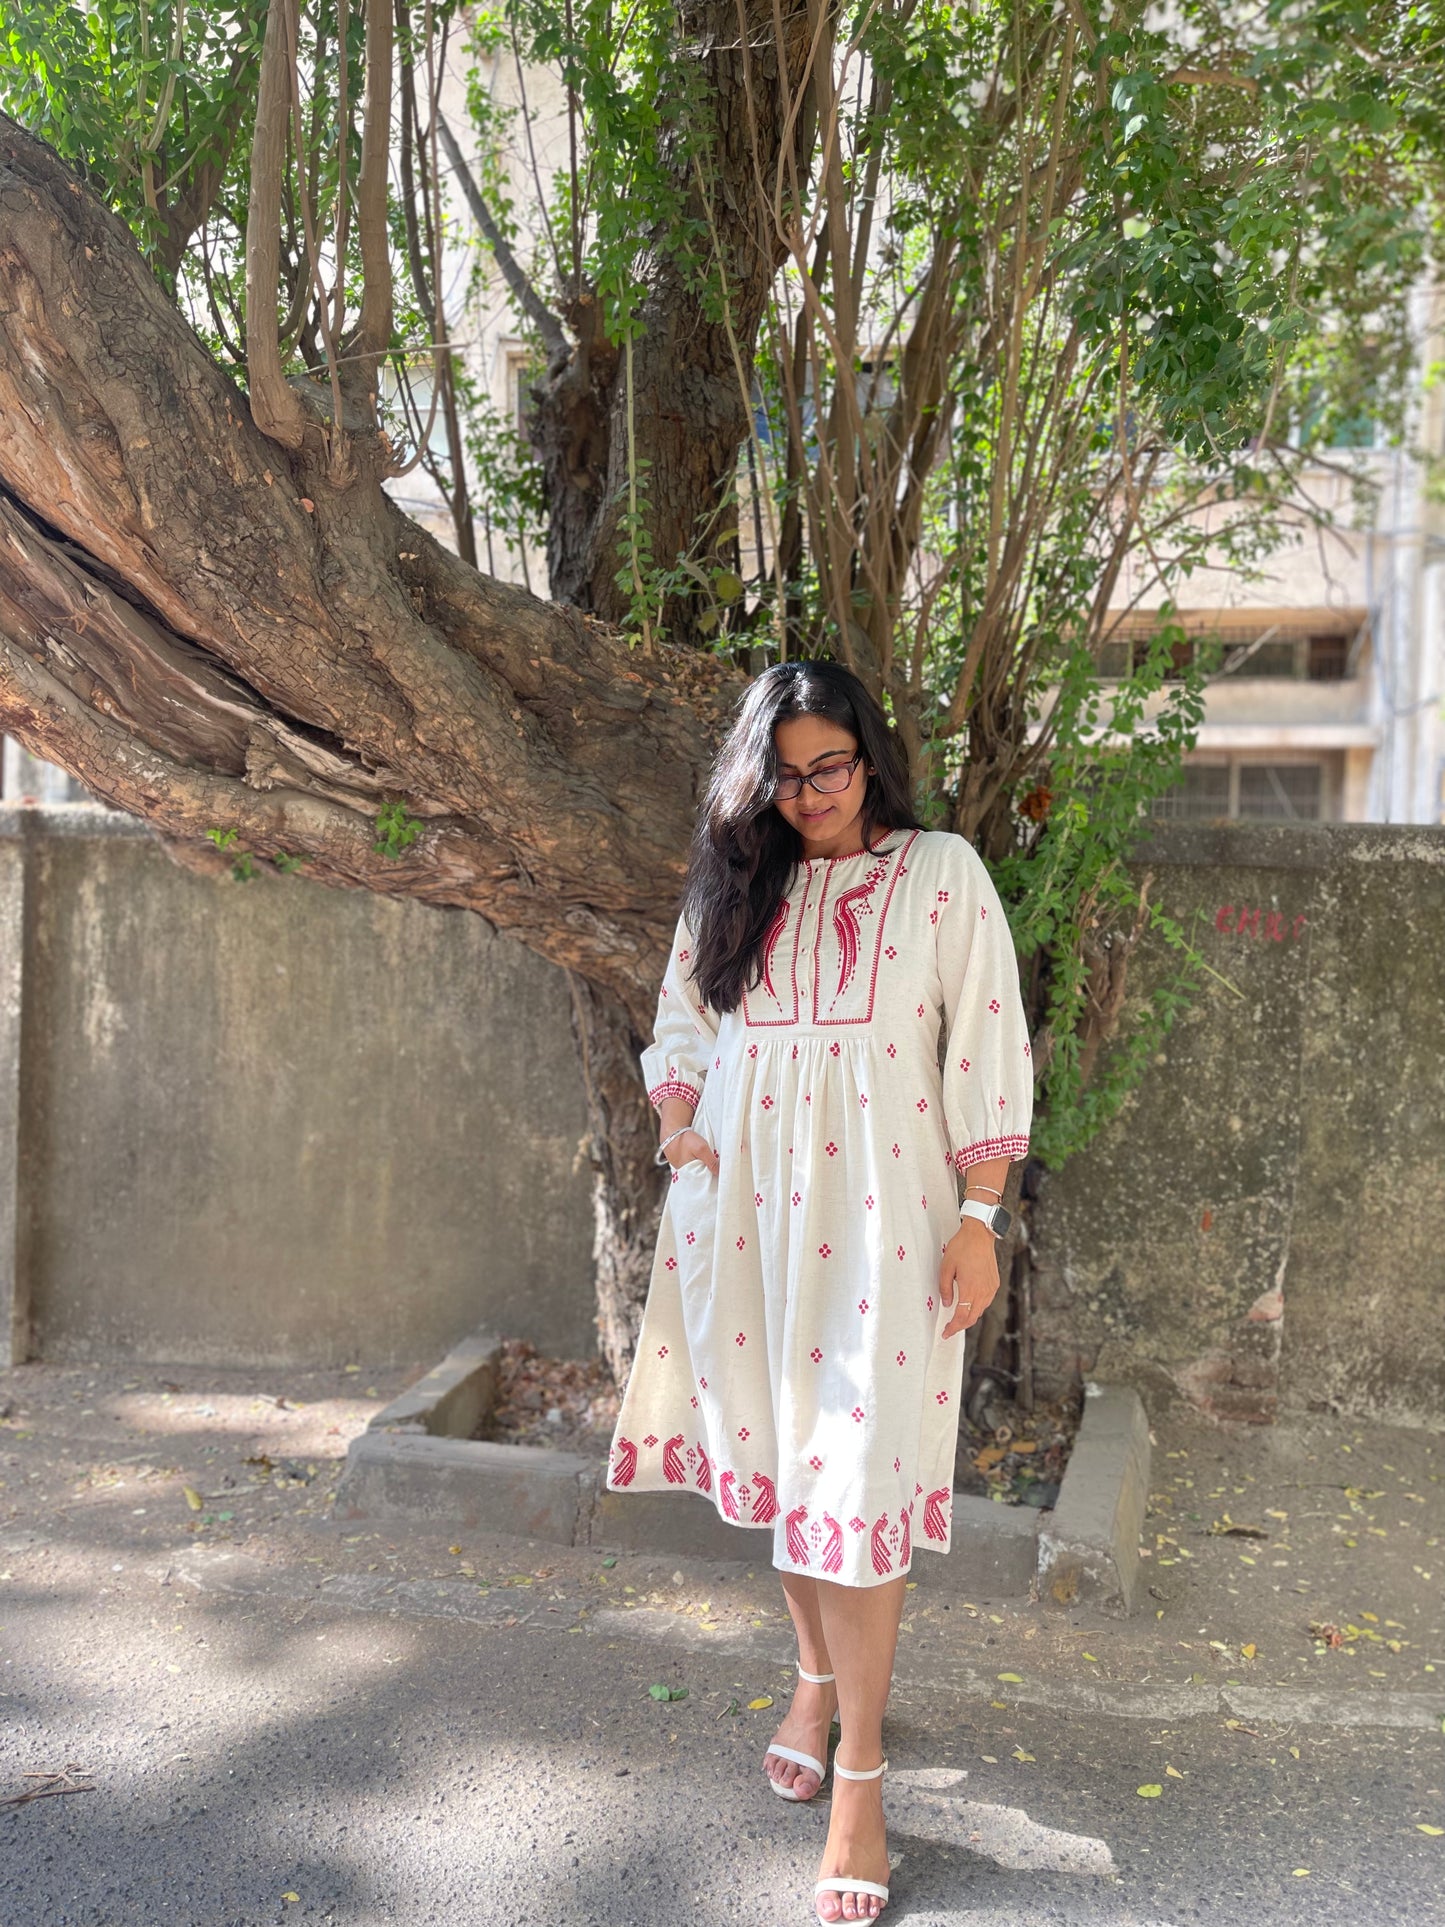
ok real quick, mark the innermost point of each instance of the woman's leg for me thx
(860, 1625)
(806, 1723)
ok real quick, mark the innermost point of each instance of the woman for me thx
(801, 1353)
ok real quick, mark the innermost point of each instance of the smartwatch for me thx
(993, 1215)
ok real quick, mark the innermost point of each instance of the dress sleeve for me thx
(675, 1064)
(988, 1084)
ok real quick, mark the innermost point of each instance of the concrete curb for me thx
(416, 1461)
(1089, 1544)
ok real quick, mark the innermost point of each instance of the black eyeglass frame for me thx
(786, 795)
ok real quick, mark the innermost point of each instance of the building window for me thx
(519, 384)
(1246, 789)
(1273, 650)
(1281, 792)
(1327, 658)
(1202, 793)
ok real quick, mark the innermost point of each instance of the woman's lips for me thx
(812, 816)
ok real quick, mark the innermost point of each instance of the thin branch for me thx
(275, 407)
(513, 273)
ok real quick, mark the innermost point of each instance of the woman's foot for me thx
(857, 1845)
(805, 1728)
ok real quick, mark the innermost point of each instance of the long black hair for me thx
(743, 850)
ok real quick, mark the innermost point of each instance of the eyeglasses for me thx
(837, 776)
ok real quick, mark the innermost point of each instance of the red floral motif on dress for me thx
(905, 1551)
(765, 1507)
(625, 1470)
(797, 1544)
(934, 1524)
(704, 1470)
(847, 907)
(672, 1466)
(833, 1551)
(882, 1558)
(725, 1484)
(770, 939)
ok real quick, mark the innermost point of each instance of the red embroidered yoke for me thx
(790, 1367)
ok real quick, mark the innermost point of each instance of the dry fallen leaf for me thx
(193, 1498)
(1149, 1792)
(757, 1705)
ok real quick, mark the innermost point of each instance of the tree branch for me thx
(513, 273)
(276, 409)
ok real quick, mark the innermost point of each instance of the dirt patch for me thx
(568, 1404)
(1019, 1459)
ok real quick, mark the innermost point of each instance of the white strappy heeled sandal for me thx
(820, 1767)
(842, 1883)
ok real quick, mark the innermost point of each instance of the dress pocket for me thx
(692, 1199)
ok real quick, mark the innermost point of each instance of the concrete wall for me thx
(272, 1122)
(269, 1121)
(1266, 1217)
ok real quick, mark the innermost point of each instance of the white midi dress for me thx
(790, 1366)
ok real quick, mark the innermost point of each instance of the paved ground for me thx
(284, 1719)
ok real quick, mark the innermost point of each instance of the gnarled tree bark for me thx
(205, 631)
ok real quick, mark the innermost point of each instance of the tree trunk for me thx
(689, 406)
(208, 634)
(691, 376)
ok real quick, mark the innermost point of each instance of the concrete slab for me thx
(470, 1482)
(994, 1551)
(453, 1398)
(417, 1461)
(1089, 1543)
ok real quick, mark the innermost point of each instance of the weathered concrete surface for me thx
(1266, 1216)
(270, 1121)
(14, 1269)
(1089, 1542)
(451, 1400)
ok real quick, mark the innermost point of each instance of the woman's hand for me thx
(969, 1271)
(690, 1145)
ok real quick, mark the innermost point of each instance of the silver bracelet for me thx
(660, 1158)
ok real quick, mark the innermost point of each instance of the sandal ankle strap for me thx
(848, 1773)
(816, 1679)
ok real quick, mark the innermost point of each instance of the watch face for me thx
(1000, 1221)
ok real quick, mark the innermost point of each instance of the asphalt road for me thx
(390, 1730)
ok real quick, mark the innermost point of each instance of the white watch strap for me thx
(972, 1208)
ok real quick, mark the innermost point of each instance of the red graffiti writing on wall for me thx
(1237, 921)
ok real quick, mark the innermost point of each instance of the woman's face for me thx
(830, 824)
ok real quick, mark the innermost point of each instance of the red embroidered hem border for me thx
(990, 1147)
(674, 1087)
